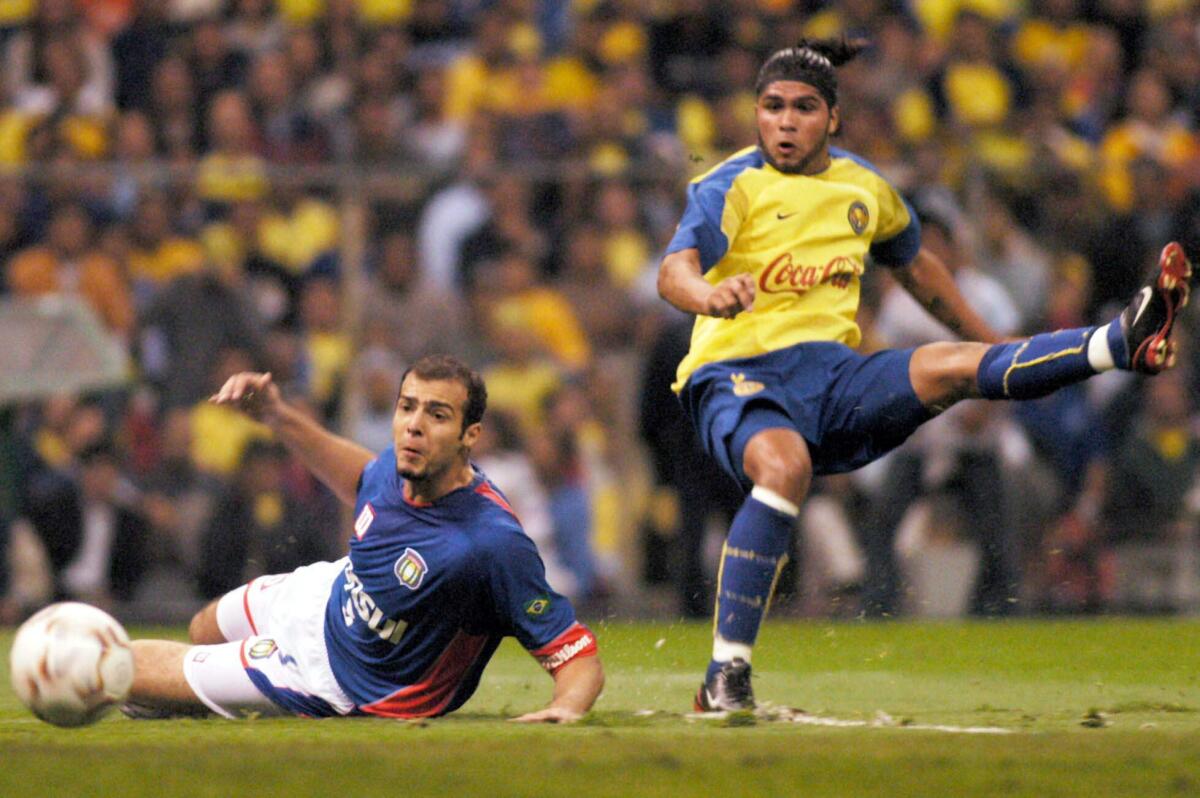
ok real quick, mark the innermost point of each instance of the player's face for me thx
(794, 126)
(427, 429)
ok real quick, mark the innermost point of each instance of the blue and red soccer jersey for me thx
(430, 590)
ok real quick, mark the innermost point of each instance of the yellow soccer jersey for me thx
(805, 239)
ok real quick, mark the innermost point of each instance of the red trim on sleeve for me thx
(246, 606)
(577, 641)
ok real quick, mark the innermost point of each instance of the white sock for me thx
(775, 501)
(727, 651)
(1099, 353)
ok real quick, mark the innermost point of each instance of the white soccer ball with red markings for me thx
(71, 663)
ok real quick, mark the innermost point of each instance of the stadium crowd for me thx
(326, 189)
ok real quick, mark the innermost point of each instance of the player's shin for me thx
(751, 560)
(1040, 365)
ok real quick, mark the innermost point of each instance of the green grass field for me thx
(1098, 708)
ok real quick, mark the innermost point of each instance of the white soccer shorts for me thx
(276, 627)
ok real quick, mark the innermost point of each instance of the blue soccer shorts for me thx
(850, 408)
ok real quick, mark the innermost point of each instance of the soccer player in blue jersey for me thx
(769, 255)
(438, 572)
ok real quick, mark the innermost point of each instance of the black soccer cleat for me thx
(728, 690)
(1147, 322)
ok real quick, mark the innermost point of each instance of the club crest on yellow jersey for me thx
(859, 217)
(743, 386)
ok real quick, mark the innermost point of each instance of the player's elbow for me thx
(664, 280)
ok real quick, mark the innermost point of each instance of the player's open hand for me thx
(550, 715)
(730, 297)
(254, 394)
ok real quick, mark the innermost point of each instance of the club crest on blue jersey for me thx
(859, 217)
(262, 649)
(364, 520)
(410, 569)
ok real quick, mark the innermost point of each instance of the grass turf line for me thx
(1041, 679)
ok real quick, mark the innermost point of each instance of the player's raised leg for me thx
(1137, 340)
(777, 462)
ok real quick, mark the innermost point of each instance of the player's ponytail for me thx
(811, 61)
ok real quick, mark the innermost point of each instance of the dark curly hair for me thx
(811, 61)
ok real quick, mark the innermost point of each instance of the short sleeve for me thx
(524, 605)
(700, 227)
(898, 234)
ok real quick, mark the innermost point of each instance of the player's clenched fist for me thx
(730, 297)
(254, 394)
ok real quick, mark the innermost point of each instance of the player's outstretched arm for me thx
(577, 685)
(931, 284)
(336, 461)
(681, 282)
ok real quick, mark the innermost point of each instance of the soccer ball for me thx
(71, 663)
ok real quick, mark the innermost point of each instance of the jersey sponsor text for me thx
(360, 604)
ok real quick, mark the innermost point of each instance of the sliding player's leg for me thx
(775, 462)
(174, 679)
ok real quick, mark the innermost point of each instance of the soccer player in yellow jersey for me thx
(769, 255)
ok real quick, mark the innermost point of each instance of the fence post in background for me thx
(352, 254)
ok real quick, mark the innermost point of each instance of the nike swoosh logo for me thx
(782, 216)
(1147, 295)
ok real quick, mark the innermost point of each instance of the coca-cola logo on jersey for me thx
(782, 275)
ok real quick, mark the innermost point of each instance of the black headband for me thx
(801, 64)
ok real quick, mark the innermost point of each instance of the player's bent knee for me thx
(204, 629)
(780, 463)
(945, 372)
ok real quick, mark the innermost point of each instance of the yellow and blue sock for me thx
(754, 554)
(1040, 365)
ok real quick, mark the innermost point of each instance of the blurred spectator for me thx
(520, 378)
(605, 310)
(508, 228)
(433, 138)
(259, 526)
(689, 487)
(159, 254)
(454, 213)
(1149, 130)
(232, 171)
(215, 65)
(56, 65)
(69, 263)
(187, 326)
(1152, 474)
(94, 536)
(177, 497)
(289, 133)
(327, 347)
(220, 434)
(410, 317)
(176, 114)
(136, 50)
(255, 28)
(377, 376)
(572, 478)
(521, 301)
